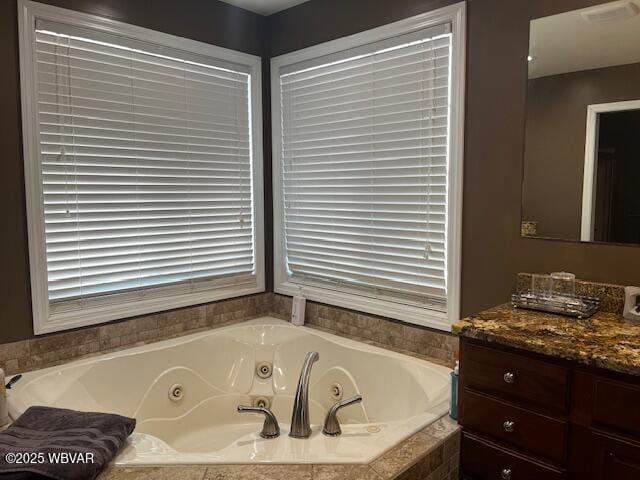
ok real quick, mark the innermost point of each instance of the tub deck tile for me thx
(259, 472)
(404, 456)
(154, 473)
(344, 472)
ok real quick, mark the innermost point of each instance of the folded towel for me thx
(61, 444)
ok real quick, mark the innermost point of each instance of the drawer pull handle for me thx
(509, 426)
(509, 377)
(506, 474)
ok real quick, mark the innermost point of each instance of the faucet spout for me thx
(300, 426)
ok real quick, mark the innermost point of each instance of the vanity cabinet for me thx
(615, 459)
(530, 417)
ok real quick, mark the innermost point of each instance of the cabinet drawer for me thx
(615, 405)
(536, 433)
(487, 461)
(532, 381)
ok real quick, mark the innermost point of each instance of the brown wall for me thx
(208, 21)
(555, 140)
(498, 36)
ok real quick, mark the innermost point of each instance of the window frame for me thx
(455, 15)
(162, 297)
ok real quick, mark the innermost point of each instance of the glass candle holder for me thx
(563, 284)
(541, 285)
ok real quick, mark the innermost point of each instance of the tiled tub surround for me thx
(58, 348)
(217, 372)
(394, 335)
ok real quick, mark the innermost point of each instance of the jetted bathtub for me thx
(184, 393)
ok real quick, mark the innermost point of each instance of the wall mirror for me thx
(582, 138)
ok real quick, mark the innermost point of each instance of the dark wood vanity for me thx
(532, 416)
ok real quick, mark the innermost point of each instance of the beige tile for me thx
(404, 455)
(431, 464)
(10, 367)
(386, 333)
(255, 305)
(108, 343)
(24, 364)
(452, 446)
(239, 314)
(63, 354)
(322, 310)
(259, 472)
(60, 341)
(212, 311)
(226, 317)
(426, 336)
(10, 351)
(444, 355)
(442, 428)
(130, 339)
(452, 463)
(344, 472)
(192, 316)
(148, 336)
(170, 330)
(127, 327)
(214, 318)
(154, 473)
(281, 306)
(311, 310)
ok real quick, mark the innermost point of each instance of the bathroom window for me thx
(368, 136)
(143, 169)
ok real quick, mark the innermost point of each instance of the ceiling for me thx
(265, 7)
(569, 43)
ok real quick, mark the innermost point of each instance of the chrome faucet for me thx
(331, 424)
(300, 427)
(270, 428)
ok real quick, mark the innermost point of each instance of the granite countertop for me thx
(605, 340)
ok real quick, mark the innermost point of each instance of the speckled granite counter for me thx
(605, 340)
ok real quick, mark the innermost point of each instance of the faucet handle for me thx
(270, 429)
(331, 423)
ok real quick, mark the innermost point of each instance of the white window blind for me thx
(365, 168)
(146, 168)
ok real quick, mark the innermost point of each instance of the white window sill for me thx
(397, 311)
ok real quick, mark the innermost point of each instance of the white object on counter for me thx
(4, 412)
(297, 310)
(632, 303)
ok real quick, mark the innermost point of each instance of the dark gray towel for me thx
(54, 432)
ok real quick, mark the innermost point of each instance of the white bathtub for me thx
(217, 370)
